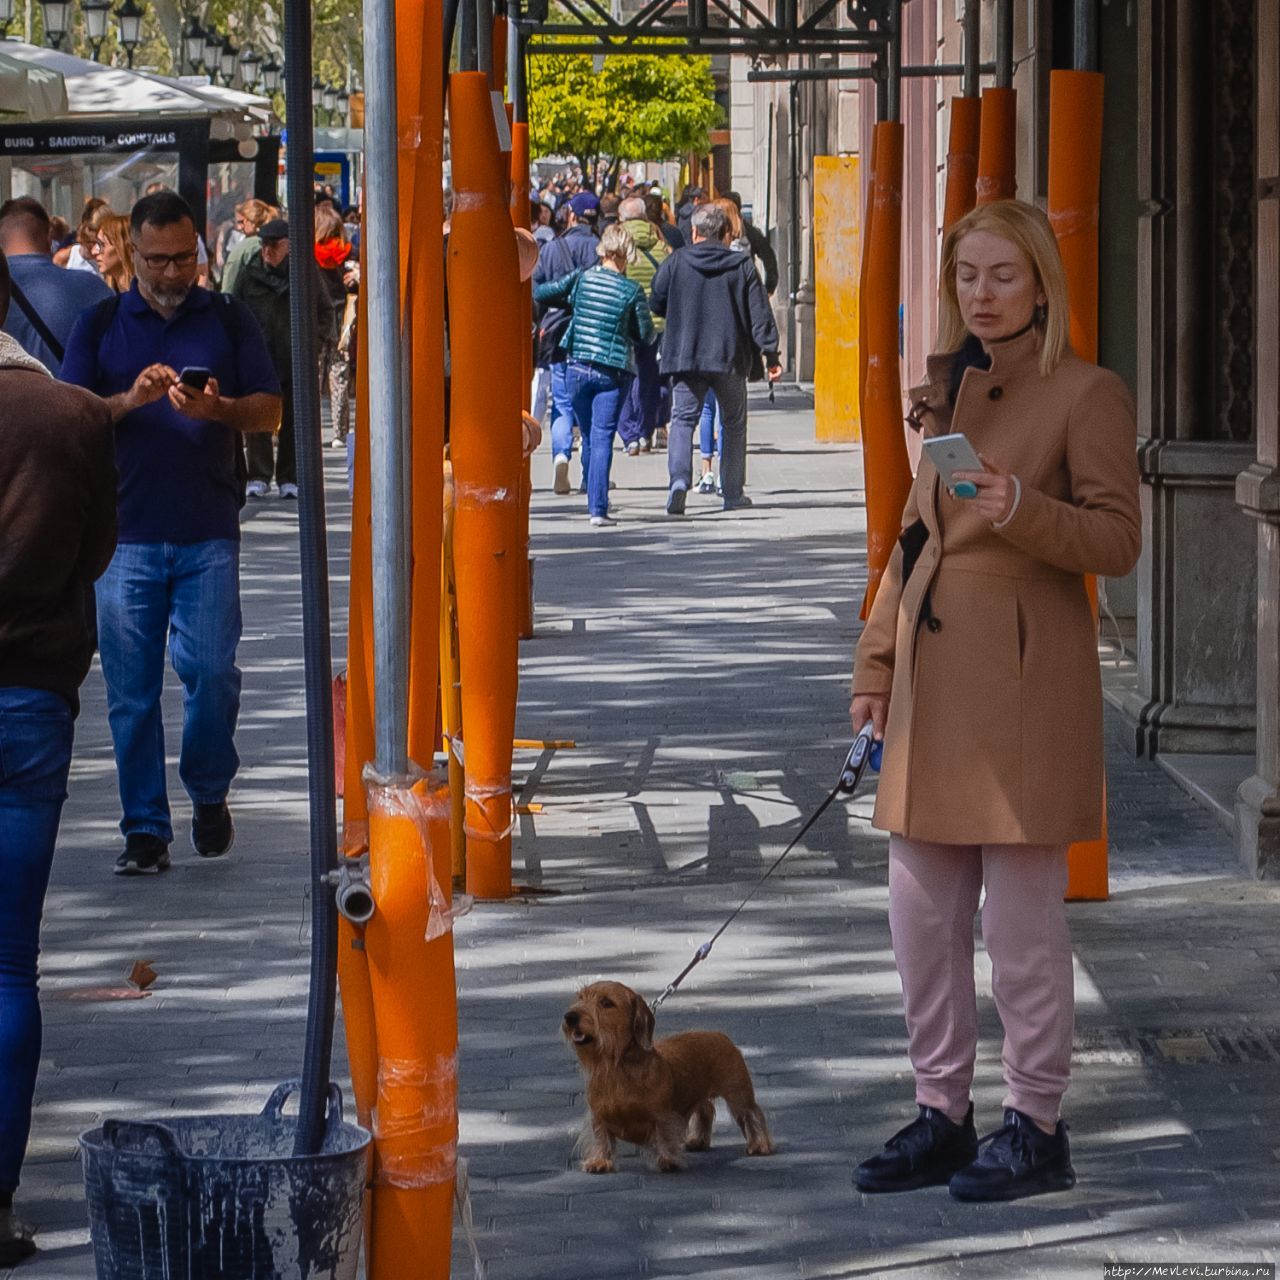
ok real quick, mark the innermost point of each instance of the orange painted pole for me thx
(451, 687)
(485, 446)
(410, 949)
(1075, 176)
(884, 447)
(520, 217)
(424, 307)
(498, 75)
(998, 146)
(962, 160)
(862, 297)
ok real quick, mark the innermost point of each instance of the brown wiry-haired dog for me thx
(660, 1096)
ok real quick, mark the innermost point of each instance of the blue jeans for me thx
(707, 426)
(640, 407)
(189, 594)
(562, 411)
(36, 731)
(598, 394)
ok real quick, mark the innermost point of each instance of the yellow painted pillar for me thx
(837, 238)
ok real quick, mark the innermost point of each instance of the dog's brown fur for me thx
(658, 1095)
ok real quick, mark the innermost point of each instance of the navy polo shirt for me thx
(178, 478)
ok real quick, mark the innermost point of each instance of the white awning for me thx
(30, 90)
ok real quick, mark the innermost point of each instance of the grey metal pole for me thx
(1004, 44)
(484, 36)
(921, 72)
(381, 261)
(893, 66)
(972, 46)
(793, 215)
(1084, 35)
(515, 63)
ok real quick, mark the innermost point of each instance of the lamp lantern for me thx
(193, 38)
(56, 16)
(130, 15)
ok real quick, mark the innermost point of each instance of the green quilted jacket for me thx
(610, 315)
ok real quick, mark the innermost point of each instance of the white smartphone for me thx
(952, 453)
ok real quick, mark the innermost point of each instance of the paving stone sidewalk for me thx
(701, 667)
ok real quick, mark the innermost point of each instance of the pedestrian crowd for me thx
(649, 325)
(142, 407)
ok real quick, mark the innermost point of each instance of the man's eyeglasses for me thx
(159, 261)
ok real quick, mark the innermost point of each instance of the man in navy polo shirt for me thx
(175, 575)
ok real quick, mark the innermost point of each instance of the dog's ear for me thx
(642, 1024)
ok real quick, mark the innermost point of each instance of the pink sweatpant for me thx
(933, 897)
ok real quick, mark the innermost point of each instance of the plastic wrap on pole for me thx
(520, 211)
(425, 302)
(884, 447)
(998, 146)
(485, 446)
(1075, 176)
(962, 160)
(415, 1123)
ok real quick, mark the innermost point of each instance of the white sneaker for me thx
(257, 489)
(707, 484)
(602, 522)
(337, 443)
(561, 484)
(288, 490)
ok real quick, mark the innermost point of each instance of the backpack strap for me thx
(45, 334)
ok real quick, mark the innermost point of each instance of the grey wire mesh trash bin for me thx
(209, 1197)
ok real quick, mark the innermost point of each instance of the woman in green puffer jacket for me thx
(610, 315)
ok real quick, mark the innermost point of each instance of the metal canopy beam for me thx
(713, 26)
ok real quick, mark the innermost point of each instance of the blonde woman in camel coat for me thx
(978, 666)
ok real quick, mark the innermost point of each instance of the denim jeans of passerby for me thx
(707, 423)
(639, 417)
(688, 391)
(598, 393)
(36, 730)
(562, 413)
(189, 595)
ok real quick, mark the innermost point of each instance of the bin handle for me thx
(274, 1110)
(117, 1133)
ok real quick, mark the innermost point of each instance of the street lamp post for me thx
(212, 50)
(95, 24)
(193, 38)
(56, 15)
(270, 77)
(250, 61)
(329, 100)
(227, 61)
(130, 15)
(317, 94)
(344, 105)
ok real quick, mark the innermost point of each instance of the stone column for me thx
(1258, 489)
(1196, 580)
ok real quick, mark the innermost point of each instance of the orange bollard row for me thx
(884, 448)
(409, 942)
(485, 446)
(998, 146)
(962, 160)
(1075, 177)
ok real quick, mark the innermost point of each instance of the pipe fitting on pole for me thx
(351, 892)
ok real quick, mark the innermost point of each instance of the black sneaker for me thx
(675, 500)
(1018, 1160)
(738, 504)
(144, 855)
(212, 831)
(927, 1153)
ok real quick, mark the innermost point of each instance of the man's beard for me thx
(170, 297)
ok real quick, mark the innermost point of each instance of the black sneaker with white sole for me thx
(144, 855)
(212, 831)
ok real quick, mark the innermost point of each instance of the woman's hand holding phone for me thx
(996, 490)
(873, 707)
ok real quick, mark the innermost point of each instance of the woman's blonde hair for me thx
(115, 230)
(1027, 227)
(616, 242)
(731, 212)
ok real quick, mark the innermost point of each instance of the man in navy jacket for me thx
(719, 323)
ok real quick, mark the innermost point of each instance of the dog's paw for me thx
(760, 1147)
(670, 1164)
(697, 1144)
(598, 1164)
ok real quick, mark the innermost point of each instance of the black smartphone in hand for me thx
(195, 376)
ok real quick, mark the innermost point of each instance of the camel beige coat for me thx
(994, 733)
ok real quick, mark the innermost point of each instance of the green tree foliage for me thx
(636, 107)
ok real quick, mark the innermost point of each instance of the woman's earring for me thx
(1042, 313)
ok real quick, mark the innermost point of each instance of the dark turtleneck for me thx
(971, 355)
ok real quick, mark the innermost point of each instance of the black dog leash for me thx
(850, 776)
